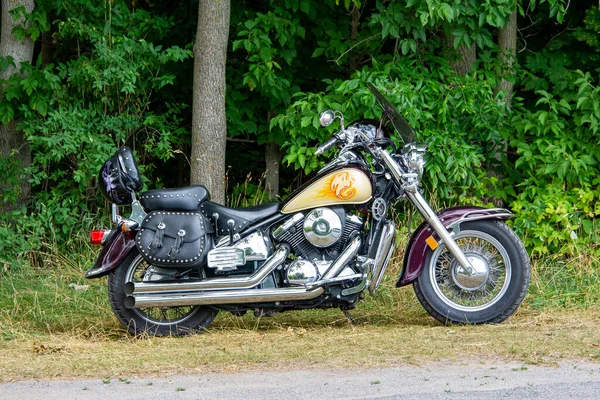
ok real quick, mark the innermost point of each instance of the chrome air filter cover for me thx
(322, 227)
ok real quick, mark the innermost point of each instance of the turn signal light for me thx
(97, 237)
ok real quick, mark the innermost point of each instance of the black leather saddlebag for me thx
(174, 239)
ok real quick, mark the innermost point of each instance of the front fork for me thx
(417, 199)
(410, 186)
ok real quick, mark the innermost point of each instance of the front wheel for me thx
(156, 321)
(489, 293)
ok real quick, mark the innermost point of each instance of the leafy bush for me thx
(75, 113)
(557, 141)
(459, 116)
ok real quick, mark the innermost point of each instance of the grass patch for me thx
(531, 338)
(48, 329)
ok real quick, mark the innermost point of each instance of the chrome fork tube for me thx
(421, 204)
(423, 207)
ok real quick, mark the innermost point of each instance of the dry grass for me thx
(301, 340)
(49, 330)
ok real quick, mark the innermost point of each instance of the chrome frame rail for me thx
(385, 249)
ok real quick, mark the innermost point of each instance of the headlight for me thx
(416, 162)
(415, 156)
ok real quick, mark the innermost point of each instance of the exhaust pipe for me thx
(221, 297)
(211, 291)
(278, 257)
(384, 253)
(343, 259)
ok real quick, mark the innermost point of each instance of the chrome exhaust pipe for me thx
(343, 259)
(385, 249)
(247, 282)
(221, 297)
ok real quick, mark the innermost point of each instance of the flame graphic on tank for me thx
(342, 185)
(346, 186)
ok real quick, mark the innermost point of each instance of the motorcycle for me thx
(179, 258)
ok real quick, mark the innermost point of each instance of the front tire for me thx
(155, 321)
(491, 292)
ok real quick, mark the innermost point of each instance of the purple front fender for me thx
(416, 251)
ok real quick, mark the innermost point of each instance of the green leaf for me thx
(318, 51)
(301, 160)
(305, 7)
(405, 46)
(305, 121)
(41, 105)
(447, 11)
(385, 30)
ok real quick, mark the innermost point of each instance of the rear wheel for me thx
(491, 291)
(156, 321)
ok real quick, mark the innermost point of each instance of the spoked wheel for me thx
(157, 321)
(491, 291)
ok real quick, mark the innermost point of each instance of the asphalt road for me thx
(475, 380)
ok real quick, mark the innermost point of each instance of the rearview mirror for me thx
(326, 118)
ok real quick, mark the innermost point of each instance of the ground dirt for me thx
(471, 379)
(249, 345)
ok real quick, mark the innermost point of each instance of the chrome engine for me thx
(322, 227)
(254, 247)
(316, 240)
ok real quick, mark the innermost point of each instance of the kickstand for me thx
(349, 316)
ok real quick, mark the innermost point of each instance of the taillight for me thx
(98, 237)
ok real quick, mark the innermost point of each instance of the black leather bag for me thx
(119, 177)
(174, 239)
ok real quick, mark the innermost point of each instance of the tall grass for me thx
(43, 299)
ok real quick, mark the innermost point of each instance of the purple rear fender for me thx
(112, 254)
(416, 252)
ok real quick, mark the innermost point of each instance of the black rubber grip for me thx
(326, 146)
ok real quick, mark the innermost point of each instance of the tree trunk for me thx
(273, 161)
(507, 44)
(462, 58)
(354, 24)
(12, 139)
(209, 128)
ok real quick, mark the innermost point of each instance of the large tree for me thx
(507, 45)
(12, 142)
(209, 128)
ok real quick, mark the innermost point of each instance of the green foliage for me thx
(459, 117)
(115, 65)
(34, 24)
(557, 142)
(558, 169)
(75, 112)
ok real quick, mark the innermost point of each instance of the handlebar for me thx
(327, 145)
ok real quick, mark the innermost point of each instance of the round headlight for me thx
(416, 161)
(415, 156)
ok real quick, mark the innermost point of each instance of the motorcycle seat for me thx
(179, 199)
(242, 217)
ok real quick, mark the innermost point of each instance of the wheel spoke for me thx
(457, 288)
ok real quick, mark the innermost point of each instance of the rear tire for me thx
(489, 295)
(155, 321)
